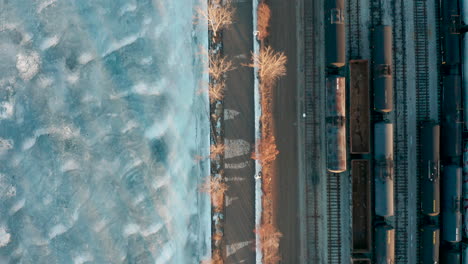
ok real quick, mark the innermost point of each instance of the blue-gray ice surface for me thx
(100, 124)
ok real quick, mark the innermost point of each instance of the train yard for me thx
(392, 131)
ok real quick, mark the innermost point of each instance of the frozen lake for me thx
(101, 122)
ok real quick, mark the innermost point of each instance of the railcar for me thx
(383, 174)
(430, 242)
(450, 32)
(361, 261)
(452, 124)
(335, 33)
(450, 256)
(430, 163)
(451, 203)
(382, 69)
(359, 107)
(362, 210)
(384, 244)
(336, 124)
(465, 190)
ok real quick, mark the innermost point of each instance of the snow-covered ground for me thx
(100, 124)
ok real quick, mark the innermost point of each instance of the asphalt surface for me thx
(240, 210)
(283, 38)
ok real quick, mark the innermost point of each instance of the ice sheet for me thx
(100, 122)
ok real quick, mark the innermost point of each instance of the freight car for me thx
(430, 242)
(359, 123)
(383, 159)
(336, 124)
(450, 256)
(452, 126)
(465, 190)
(384, 244)
(430, 163)
(450, 33)
(451, 202)
(335, 33)
(382, 69)
(362, 240)
(465, 58)
(361, 261)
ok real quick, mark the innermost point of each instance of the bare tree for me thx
(216, 150)
(267, 151)
(217, 15)
(270, 64)
(215, 258)
(269, 243)
(219, 65)
(216, 187)
(216, 91)
(263, 20)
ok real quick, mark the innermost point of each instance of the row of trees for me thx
(270, 66)
(218, 16)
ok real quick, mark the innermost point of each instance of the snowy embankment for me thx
(258, 135)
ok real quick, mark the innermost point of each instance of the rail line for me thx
(334, 217)
(401, 132)
(313, 158)
(422, 88)
(354, 30)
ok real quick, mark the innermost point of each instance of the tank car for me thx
(382, 69)
(384, 244)
(464, 252)
(450, 32)
(450, 256)
(383, 159)
(465, 190)
(430, 163)
(451, 202)
(335, 33)
(430, 242)
(452, 127)
(465, 58)
(336, 124)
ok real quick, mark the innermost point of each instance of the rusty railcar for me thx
(336, 124)
(362, 214)
(359, 107)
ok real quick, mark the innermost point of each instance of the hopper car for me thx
(359, 107)
(362, 214)
(383, 168)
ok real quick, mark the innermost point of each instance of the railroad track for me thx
(400, 135)
(422, 60)
(334, 217)
(422, 87)
(313, 105)
(354, 30)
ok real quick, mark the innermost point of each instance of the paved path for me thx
(239, 139)
(283, 38)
